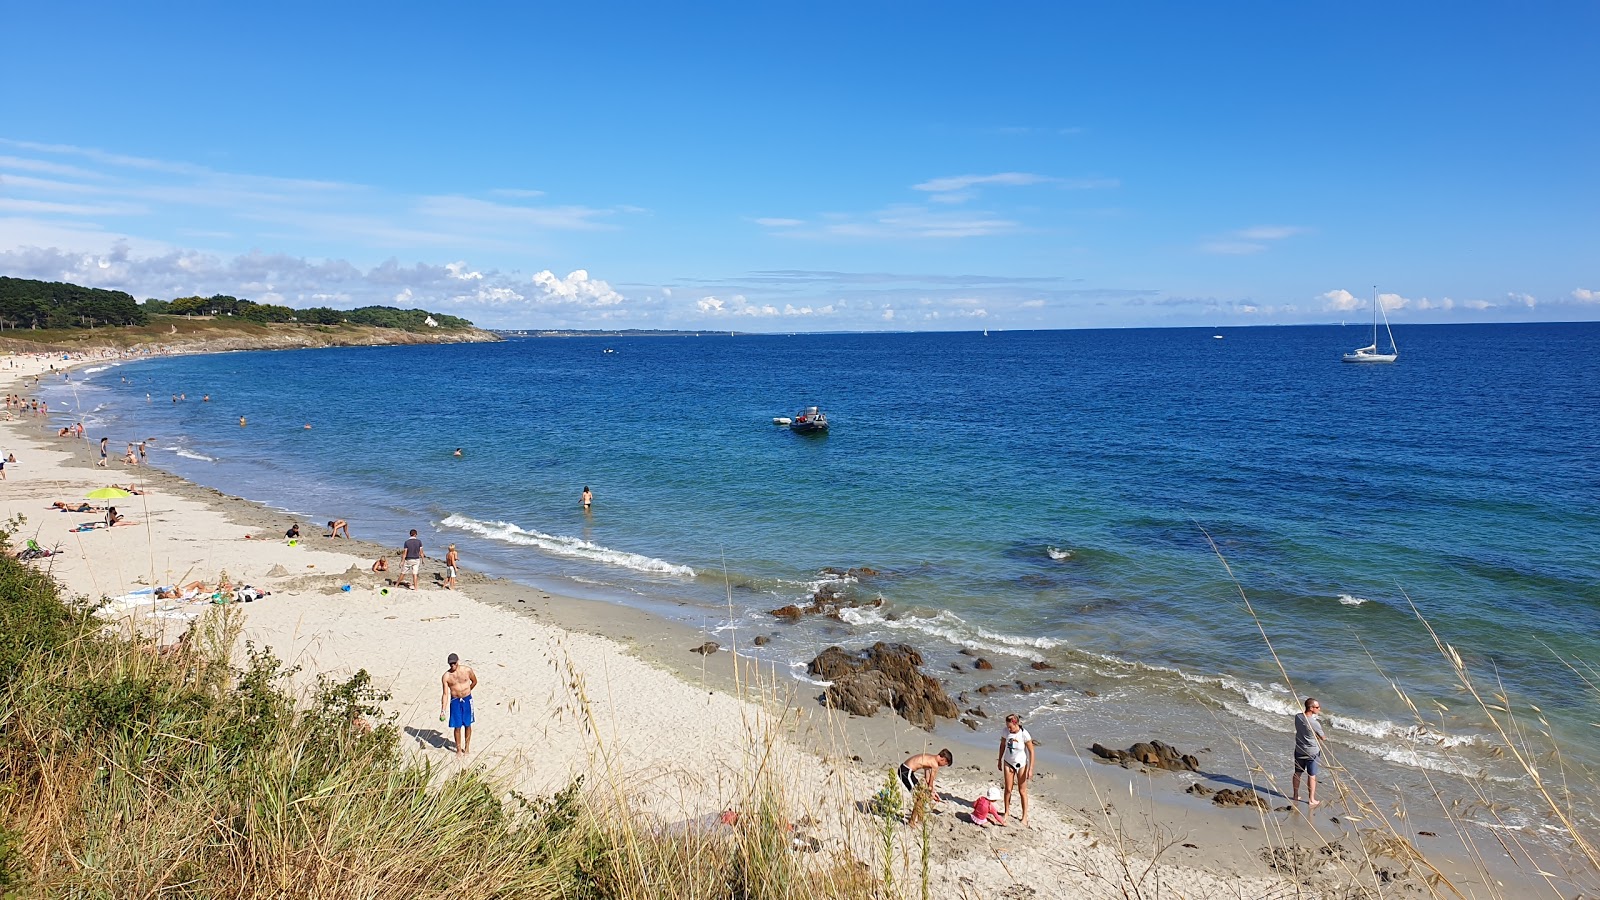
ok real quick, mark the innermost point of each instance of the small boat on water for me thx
(1369, 353)
(810, 420)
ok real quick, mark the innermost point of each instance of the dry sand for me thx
(571, 687)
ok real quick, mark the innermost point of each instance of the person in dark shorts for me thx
(1308, 741)
(922, 792)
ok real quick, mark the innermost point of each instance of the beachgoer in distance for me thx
(588, 497)
(142, 456)
(456, 701)
(381, 565)
(1308, 742)
(457, 453)
(451, 558)
(103, 443)
(113, 517)
(241, 421)
(336, 526)
(293, 532)
(1016, 763)
(922, 792)
(412, 558)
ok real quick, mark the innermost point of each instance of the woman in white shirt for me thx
(1016, 764)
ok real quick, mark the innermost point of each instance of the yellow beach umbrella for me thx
(107, 493)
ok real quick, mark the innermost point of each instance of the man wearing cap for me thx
(456, 701)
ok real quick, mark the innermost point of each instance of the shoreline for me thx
(630, 648)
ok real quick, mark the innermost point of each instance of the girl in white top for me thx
(1016, 764)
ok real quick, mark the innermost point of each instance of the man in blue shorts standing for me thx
(456, 702)
(1308, 742)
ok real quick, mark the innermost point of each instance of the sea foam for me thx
(953, 628)
(562, 545)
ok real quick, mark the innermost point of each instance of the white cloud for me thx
(1031, 304)
(961, 188)
(779, 223)
(963, 182)
(1340, 301)
(1517, 299)
(917, 222)
(1270, 232)
(577, 288)
(1232, 248)
(1248, 241)
(1478, 304)
(1584, 295)
(153, 197)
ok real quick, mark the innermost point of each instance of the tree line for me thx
(25, 303)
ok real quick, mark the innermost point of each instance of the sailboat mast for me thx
(1374, 316)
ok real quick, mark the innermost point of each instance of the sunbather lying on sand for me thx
(189, 591)
(80, 506)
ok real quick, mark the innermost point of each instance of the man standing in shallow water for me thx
(1308, 741)
(456, 701)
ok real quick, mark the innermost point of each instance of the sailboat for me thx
(1369, 353)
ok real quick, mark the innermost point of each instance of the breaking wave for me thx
(953, 628)
(561, 545)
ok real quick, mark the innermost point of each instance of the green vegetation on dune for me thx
(133, 769)
(32, 305)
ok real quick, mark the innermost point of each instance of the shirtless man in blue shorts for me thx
(456, 702)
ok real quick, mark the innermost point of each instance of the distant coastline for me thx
(167, 335)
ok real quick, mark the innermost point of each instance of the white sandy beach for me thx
(672, 735)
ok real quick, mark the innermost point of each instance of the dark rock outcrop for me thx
(1241, 797)
(983, 664)
(1156, 754)
(885, 675)
(707, 647)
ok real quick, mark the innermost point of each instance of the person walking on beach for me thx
(103, 443)
(451, 558)
(1308, 740)
(456, 701)
(1016, 764)
(588, 497)
(922, 791)
(413, 556)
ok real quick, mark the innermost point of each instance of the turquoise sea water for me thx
(1031, 496)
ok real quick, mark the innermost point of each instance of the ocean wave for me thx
(953, 628)
(93, 369)
(1352, 600)
(190, 454)
(1058, 554)
(561, 545)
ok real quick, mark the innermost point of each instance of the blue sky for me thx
(807, 167)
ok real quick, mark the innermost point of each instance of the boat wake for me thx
(561, 545)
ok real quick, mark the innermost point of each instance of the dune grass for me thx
(131, 769)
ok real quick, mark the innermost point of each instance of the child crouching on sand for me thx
(984, 811)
